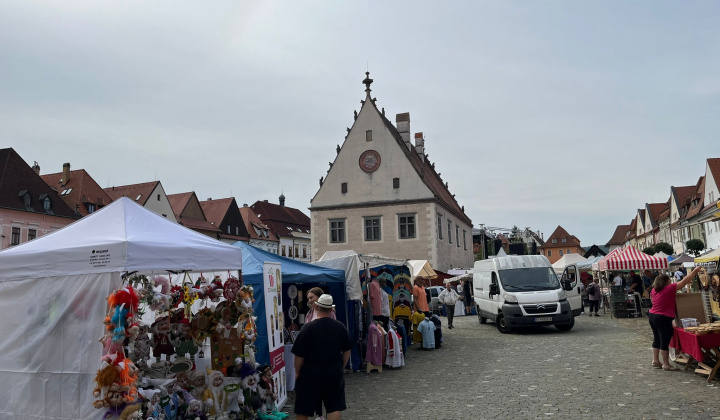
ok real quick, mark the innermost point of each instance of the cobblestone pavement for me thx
(600, 369)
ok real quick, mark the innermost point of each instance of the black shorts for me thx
(318, 386)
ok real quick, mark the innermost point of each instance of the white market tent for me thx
(53, 294)
(352, 262)
(567, 259)
(420, 268)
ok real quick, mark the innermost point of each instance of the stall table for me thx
(700, 347)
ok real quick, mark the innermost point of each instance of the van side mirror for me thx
(566, 284)
(494, 290)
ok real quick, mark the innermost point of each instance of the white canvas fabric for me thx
(53, 294)
(566, 260)
(352, 262)
(420, 268)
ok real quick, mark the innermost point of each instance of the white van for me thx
(520, 291)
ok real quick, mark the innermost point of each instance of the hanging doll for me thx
(196, 410)
(249, 382)
(217, 289)
(161, 339)
(268, 395)
(198, 383)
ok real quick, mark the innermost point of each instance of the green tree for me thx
(694, 246)
(649, 250)
(664, 247)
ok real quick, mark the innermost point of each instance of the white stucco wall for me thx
(160, 206)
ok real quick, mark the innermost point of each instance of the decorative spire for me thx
(368, 81)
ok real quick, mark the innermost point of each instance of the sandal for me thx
(656, 365)
(670, 368)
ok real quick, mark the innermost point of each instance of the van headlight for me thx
(561, 294)
(510, 298)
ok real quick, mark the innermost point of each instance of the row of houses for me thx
(34, 204)
(691, 212)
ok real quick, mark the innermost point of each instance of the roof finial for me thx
(368, 81)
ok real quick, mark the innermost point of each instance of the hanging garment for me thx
(385, 304)
(395, 355)
(374, 353)
(416, 320)
(438, 330)
(427, 329)
(403, 337)
(375, 293)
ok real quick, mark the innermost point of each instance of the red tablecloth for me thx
(693, 343)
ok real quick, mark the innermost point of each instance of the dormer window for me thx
(554, 241)
(46, 202)
(26, 199)
(564, 240)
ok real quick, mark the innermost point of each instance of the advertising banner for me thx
(272, 279)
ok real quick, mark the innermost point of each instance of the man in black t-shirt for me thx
(321, 349)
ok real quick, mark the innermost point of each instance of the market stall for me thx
(711, 261)
(54, 296)
(566, 260)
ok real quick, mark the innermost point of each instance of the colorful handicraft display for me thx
(149, 371)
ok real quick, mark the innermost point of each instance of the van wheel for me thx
(481, 318)
(501, 324)
(566, 327)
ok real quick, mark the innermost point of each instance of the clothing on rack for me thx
(385, 309)
(438, 330)
(374, 292)
(403, 336)
(395, 355)
(427, 330)
(417, 318)
(374, 353)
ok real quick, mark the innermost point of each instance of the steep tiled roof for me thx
(664, 215)
(425, 170)
(714, 165)
(137, 192)
(559, 234)
(633, 228)
(79, 190)
(252, 221)
(700, 197)
(179, 201)
(17, 178)
(197, 224)
(216, 209)
(618, 238)
(656, 209)
(282, 220)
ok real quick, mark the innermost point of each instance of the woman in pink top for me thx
(662, 314)
(313, 295)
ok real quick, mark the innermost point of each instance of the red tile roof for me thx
(656, 210)
(619, 236)
(178, 202)
(252, 221)
(18, 178)
(79, 190)
(700, 197)
(282, 220)
(137, 192)
(559, 234)
(714, 165)
(216, 209)
(196, 224)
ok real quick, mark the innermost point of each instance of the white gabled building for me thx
(382, 195)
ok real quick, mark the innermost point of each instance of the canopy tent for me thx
(587, 265)
(681, 259)
(566, 260)
(293, 272)
(632, 259)
(596, 265)
(467, 276)
(712, 256)
(661, 255)
(53, 294)
(361, 261)
(420, 268)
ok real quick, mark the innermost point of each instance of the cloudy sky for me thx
(536, 113)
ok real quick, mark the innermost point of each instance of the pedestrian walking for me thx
(662, 314)
(594, 295)
(449, 298)
(321, 349)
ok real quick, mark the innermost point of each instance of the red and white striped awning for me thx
(632, 259)
(596, 266)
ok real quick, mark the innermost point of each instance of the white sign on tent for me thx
(272, 279)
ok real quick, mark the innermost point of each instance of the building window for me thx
(372, 228)
(304, 251)
(343, 188)
(15, 238)
(439, 226)
(229, 231)
(464, 240)
(337, 231)
(47, 204)
(237, 230)
(396, 182)
(407, 226)
(282, 248)
(554, 241)
(91, 208)
(568, 251)
(368, 135)
(457, 235)
(297, 253)
(561, 253)
(549, 253)
(449, 224)
(158, 197)
(564, 240)
(32, 234)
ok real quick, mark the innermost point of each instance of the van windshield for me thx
(529, 279)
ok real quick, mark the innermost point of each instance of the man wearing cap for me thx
(321, 349)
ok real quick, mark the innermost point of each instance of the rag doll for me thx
(161, 339)
(196, 410)
(214, 396)
(198, 383)
(249, 382)
(268, 395)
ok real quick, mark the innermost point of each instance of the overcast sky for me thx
(538, 114)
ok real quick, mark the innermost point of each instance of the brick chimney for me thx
(403, 126)
(66, 174)
(36, 168)
(420, 146)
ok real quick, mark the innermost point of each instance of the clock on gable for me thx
(369, 161)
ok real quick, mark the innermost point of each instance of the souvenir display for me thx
(150, 371)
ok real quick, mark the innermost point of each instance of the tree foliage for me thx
(649, 250)
(664, 247)
(694, 246)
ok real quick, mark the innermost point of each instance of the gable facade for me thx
(561, 243)
(711, 212)
(381, 195)
(289, 225)
(150, 195)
